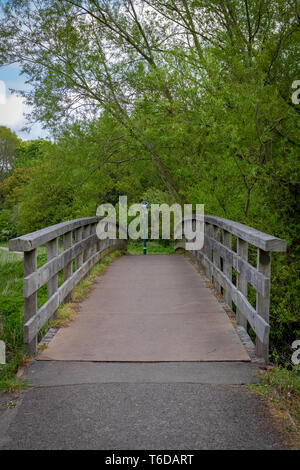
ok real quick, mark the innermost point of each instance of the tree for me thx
(8, 144)
(194, 93)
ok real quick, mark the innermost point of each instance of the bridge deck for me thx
(153, 308)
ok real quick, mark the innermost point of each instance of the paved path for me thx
(84, 407)
(184, 396)
(4, 248)
(145, 309)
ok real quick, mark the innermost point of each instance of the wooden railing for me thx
(224, 258)
(81, 250)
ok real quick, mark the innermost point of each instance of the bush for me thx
(8, 227)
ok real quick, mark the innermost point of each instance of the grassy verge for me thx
(11, 318)
(280, 388)
(153, 247)
(9, 382)
(12, 311)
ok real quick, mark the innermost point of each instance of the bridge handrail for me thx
(81, 245)
(220, 260)
(259, 239)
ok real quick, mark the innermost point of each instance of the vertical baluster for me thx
(216, 257)
(78, 238)
(94, 246)
(263, 301)
(110, 240)
(208, 250)
(86, 234)
(193, 230)
(52, 252)
(98, 244)
(242, 284)
(227, 267)
(30, 303)
(68, 269)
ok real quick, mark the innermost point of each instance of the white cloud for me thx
(13, 107)
(11, 112)
(12, 115)
(2, 92)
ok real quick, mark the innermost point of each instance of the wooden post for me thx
(216, 257)
(193, 230)
(86, 233)
(78, 238)
(227, 267)
(208, 250)
(30, 303)
(242, 284)
(93, 232)
(52, 252)
(68, 269)
(263, 302)
(108, 241)
(98, 243)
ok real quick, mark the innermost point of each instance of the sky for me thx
(12, 107)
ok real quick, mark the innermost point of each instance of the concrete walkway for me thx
(162, 406)
(149, 309)
(90, 390)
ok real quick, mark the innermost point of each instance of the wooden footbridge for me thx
(155, 308)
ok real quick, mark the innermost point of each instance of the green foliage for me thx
(8, 144)
(28, 152)
(12, 320)
(180, 101)
(11, 301)
(153, 247)
(8, 227)
(8, 380)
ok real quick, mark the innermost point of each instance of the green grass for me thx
(11, 317)
(11, 299)
(281, 388)
(9, 382)
(153, 247)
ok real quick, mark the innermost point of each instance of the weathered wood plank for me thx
(38, 278)
(33, 240)
(30, 303)
(79, 257)
(86, 234)
(216, 257)
(68, 268)
(260, 282)
(249, 234)
(263, 301)
(259, 325)
(208, 250)
(93, 232)
(52, 252)
(259, 239)
(36, 322)
(242, 284)
(227, 266)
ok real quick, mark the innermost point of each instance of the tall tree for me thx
(8, 144)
